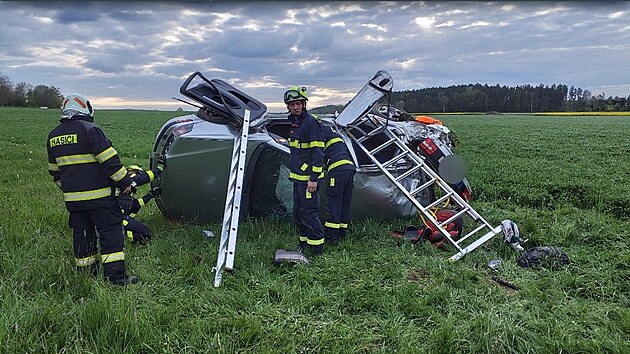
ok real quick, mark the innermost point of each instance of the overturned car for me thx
(196, 151)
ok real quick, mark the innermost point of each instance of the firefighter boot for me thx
(332, 240)
(301, 247)
(317, 250)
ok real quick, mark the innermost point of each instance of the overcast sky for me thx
(136, 54)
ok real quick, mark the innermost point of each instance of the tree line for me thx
(460, 98)
(24, 94)
(519, 99)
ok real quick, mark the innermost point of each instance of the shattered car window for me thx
(269, 186)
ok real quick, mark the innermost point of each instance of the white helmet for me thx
(75, 104)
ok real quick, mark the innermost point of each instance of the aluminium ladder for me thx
(377, 140)
(227, 245)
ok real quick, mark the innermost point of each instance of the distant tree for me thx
(427, 104)
(20, 94)
(328, 109)
(572, 94)
(484, 98)
(45, 96)
(6, 89)
(443, 100)
(616, 104)
(480, 101)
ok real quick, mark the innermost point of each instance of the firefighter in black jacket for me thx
(340, 182)
(86, 167)
(136, 231)
(306, 168)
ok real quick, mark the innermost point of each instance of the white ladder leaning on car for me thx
(229, 230)
(366, 127)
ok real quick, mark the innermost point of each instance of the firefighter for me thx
(136, 231)
(340, 182)
(306, 168)
(87, 168)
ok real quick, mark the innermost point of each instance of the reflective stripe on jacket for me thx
(307, 148)
(336, 153)
(82, 158)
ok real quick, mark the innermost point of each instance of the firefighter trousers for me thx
(306, 215)
(340, 184)
(136, 231)
(104, 225)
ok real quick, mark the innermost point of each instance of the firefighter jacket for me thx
(306, 147)
(145, 177)
(84, 164)
(336, 153)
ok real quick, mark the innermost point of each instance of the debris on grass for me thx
(505, 283)
(544, 256)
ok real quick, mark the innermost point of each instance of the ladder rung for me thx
(367, 135)
(438, 201)
(364, 137)
(471, 233)
(381, 147)
(455, 216)
(354, 129)
(480, 241)
(422, 187)
(395, 158)
(408, 173)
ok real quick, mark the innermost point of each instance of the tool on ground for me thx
(506, 283)
(283, 256)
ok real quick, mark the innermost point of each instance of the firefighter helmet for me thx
(75, 104)
(295, 94)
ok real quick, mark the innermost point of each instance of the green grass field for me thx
(564, 180)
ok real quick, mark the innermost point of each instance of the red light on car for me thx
(428, 146)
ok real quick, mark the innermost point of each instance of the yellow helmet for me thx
(295, 94)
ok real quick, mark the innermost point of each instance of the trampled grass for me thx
(562, 179)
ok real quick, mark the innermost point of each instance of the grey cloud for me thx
(74, 17)
(143, 49)
(104, 64)
(131, 16)
(251, 44)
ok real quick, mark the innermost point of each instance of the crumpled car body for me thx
(196, 151)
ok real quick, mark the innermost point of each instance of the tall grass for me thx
(562, 179)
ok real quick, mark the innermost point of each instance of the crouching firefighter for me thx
(306, 150)
(134, 230)
(340, 182)
(85, 165)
